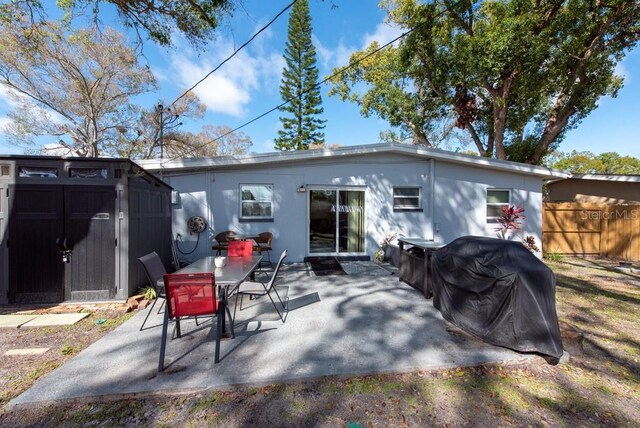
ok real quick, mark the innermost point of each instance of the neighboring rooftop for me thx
(608, 177)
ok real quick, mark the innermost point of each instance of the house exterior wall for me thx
(594, 191)
(453, 197)
(460, 201)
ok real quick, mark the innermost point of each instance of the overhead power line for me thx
(340, 71)
(235, 52)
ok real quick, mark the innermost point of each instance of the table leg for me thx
(223, 311)
(400, 249)
(231, 321)
(218, 335)
(428, 293)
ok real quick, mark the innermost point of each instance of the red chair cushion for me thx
(191, 294)
(240, 249)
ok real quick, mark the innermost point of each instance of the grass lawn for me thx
(599, 311)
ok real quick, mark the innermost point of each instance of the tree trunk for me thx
(476, 139)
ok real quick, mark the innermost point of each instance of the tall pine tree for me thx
(299, 85)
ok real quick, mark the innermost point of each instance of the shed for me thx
(71, 229)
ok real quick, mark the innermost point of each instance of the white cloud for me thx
(383, 34)
(228, 90)
(324, 54)
(622, 71)
(8, 97)
(339, 56)
(13, 100)
(331, 58)
(218, 92)
(160, 74)
(266, 146)
(343, 54)
(4, 121)
(54, 149)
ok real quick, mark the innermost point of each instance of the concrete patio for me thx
(366, 322)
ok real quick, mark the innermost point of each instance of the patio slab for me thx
(15, 321)
(347, 325)
(55, 319)
(26, 351)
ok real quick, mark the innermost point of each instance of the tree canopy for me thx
(159, 19)
(76, 88)
(513, 76)
(299, 85)
(588, 163)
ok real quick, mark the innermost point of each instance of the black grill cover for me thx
(498, 291)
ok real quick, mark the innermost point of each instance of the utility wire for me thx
(234, 53)
(287, 101)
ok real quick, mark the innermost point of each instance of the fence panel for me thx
(622, 234)
(587, 228)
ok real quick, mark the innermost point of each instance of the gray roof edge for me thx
(628, 178)
(13, 157)
(293, 156)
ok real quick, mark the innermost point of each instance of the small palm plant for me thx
(148, 292)
(379, 254)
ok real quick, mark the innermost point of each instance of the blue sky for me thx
(248, 85)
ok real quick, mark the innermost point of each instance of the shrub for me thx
(148, 292)
(379, 254)
(529, 243)
(510, 219)
(67, 349)
(553, 257)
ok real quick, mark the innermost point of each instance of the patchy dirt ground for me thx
(598, 309)
(19, 372)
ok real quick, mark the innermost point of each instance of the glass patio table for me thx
(227, 279)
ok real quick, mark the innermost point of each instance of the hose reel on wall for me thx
(197, 225)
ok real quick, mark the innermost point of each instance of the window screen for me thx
(406, 198)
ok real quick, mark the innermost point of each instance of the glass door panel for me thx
(336, 221)
(322, 221)
(351, 221)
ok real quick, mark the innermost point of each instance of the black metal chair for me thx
(263, 245)
(222, 241)
(255, 289)
(154, 269)
(177, 264)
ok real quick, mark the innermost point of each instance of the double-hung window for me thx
(407, 198)
(256, 201)
(496, 200)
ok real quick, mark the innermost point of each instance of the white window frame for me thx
(243, 217)
(407, 208)
(487, 203)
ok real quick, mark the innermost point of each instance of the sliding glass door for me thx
(336, 221)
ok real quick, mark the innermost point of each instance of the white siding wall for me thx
(459, 200)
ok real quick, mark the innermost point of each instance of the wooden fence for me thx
(587, 228)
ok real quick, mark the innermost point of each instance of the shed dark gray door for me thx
(90, 231)
(36, 273)
(41, 214)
